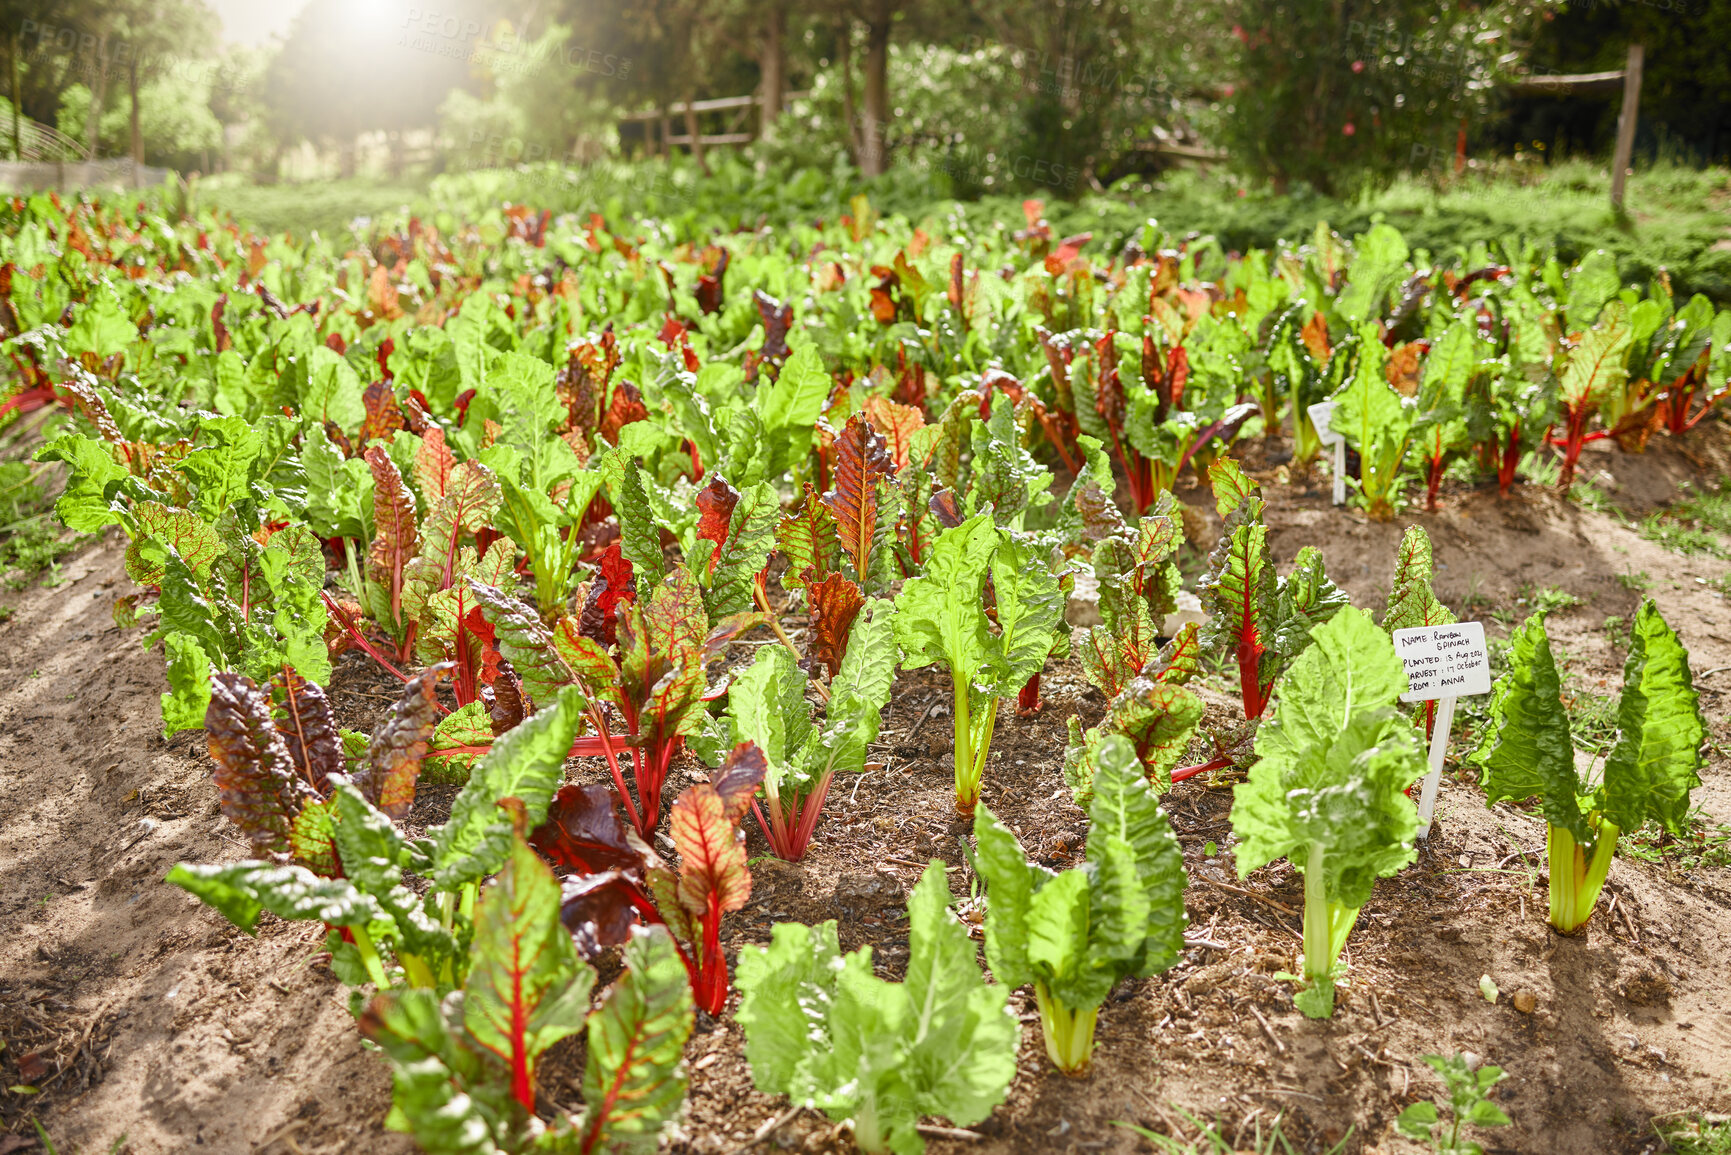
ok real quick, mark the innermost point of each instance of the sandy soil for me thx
(150, 1025)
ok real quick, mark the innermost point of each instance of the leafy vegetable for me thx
(1328, 788)
(1075, 935)
(821, 1028)
(941, 617)
(1262, 621)
(1527, 751)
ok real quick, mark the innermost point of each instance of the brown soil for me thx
(150, 1025)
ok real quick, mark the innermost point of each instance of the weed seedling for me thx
(1469, 1105)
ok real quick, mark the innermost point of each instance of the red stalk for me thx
(605, 738)
(790, 842)
(1184, 772)
(711, 992)
(1028, 701)
(355, 635)
(1508, 460)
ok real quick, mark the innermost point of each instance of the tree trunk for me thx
(137, 133)
(662, 148)
(691, 131)
(772, 64)
(844, 57)
(98, 90)
(875, 121)
(17, 116)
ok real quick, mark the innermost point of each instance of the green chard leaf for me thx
(823, 1029)
(1410, 599)
(528, 763)
(1657, 759)
(634, 1078)
(1526, 749)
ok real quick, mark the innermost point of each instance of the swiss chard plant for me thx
(1328, 789)
(1592, 369)
(1076, 935)
(1378, 421)
(464, 1066)
(1258, 620)
(1527, 751)
(656, 685)
(346, 859)
(941, 617)
(766, 706)
(618, 879)
(823, 1029)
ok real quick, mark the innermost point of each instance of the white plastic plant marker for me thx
(1442, 663)
(1320, 415)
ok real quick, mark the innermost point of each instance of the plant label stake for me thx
(1442, 663)
(1320, 415)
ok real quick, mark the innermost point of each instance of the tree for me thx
(1340, 93)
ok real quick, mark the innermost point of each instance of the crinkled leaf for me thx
(712, 867)
(634, 1078)
(529, 764)
(1411, 602)
(834, 601)
(256, 783)
(1526, 749)
(1657, 759)
(400, 743)
(862, 462)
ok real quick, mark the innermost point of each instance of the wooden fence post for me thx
(1626, 125)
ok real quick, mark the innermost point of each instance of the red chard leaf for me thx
(256, 784)
(400, 743)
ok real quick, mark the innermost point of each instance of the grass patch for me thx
(1697, 524)
(31, 540)
(1695, 1134)
(1211, 1140)
(1700, 846)
(327, 207)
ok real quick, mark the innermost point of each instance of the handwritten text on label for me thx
(1444, 661)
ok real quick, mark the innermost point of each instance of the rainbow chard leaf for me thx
(1158, 718)
(835, 602)
(528, 764)
(743, 551)
(634, 1079)
(1261, 621)
(396, 537)
(464, 1069)
(662, 643)
(1410, 599)
(713, 877)
(526, 989)
(1239, 592)
(807, 538)
(862, 464)
(821, 1028)
(400, 744)
(256, 781)
(526, 643)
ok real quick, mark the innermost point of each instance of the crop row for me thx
(548, 473)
